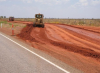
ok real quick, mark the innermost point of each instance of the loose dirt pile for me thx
(38, 34)
(25, 33)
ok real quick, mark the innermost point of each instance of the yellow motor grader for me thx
(38, 20)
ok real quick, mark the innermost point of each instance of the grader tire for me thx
(43, 26)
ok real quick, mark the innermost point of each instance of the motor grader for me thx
(38, 20)
(11, 18)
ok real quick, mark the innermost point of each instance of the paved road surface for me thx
(15, 59)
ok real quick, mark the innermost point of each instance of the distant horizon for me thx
(57, 18)
(51, 8)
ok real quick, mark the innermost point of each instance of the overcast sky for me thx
(51, 8)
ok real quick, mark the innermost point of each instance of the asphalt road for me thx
(15, 59)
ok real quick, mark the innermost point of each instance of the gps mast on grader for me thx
(38, 20)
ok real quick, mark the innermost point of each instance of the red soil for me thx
(40, 35)
(77, 47)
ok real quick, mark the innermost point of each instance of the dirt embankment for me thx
(57, 41)
(31, 33)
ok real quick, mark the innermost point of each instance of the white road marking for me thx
(37, 55)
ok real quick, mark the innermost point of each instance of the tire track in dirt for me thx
(76, 40)
(88, 28)
(83, 34)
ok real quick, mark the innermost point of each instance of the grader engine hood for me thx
(38, 20)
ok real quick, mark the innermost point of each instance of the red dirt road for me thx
(75, 45)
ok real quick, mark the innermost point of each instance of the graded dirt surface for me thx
(77, 46)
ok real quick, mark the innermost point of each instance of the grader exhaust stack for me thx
(38, 20)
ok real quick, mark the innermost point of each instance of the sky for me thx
(50, 8)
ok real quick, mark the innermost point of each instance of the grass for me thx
(5, 22)
(9, 25)
(24, 26)
(83, 22)
(15, 25)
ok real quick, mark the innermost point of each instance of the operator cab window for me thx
(39, 16)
